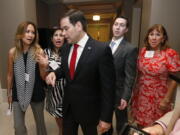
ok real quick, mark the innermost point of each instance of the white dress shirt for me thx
(118, 41)
(80, 49)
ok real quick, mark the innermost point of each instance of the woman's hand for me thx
(43, 62)
(42, 59)
(166, 102)
(51, 79)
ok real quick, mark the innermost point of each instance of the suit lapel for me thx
(66, 60)
(84, 56)
(120, 47)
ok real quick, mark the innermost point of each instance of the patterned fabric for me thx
(54, 97)
(151, 84)
(24, 87)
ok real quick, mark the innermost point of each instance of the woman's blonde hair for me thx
(18, 43)
(160, 28)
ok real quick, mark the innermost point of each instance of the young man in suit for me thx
(90, 79)
(125, 57)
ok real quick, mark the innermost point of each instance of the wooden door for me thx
(99, 32)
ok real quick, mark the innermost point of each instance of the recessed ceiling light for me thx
(96, 17)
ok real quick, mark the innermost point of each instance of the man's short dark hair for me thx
(125, 18)
(75, 16)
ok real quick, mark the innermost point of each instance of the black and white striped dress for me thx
(54, 96)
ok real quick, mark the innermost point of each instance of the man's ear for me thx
(127, 30)
(78, 25)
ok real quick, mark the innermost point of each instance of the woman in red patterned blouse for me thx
(154, 90)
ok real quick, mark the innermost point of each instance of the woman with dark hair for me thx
(24, 79)
(54, 97)
(154, 90)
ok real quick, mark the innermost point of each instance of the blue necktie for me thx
(112, 44)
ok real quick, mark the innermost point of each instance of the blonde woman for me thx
(24, 79)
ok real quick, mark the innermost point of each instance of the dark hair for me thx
(125, 18)
(160, 28)
(51, 46)
(75, 16)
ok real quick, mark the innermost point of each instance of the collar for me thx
(83, 40)
(118, 41)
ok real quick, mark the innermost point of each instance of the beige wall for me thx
(169, 17)
(30, 10)
(146, 13)
(136, 23)
(12, 13)
(164, 12)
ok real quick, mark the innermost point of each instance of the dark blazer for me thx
(125, 59)
(90, 95)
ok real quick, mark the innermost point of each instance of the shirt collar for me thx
(83, 40)
(118, 41)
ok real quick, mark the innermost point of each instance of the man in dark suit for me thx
(125, 57)
(90, 79)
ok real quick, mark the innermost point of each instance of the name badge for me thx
(53, 65)
(26, 77)
(149, 54)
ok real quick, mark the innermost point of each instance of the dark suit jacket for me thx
(90, 95)
(125, 59)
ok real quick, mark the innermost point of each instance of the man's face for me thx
(70, 31)
(119, 28)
